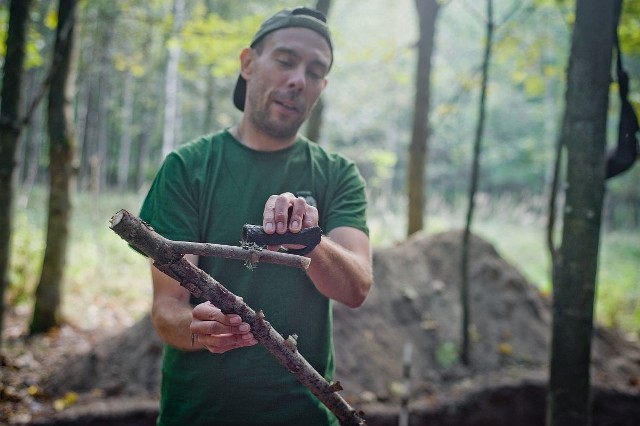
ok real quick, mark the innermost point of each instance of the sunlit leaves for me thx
(629, 30)
(534, 86)
(384, 162)
(51, 19)
(35, 40)
(532, 56)
(210, 40)
(131, 63)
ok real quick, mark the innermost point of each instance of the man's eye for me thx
(285, 63)
(316, 75)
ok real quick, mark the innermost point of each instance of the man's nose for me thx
(297, 78)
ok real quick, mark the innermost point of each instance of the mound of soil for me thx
(415, 301)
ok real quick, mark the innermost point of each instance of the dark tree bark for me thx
(29, 171)
(473, 187)
(314, 125)
(61, 172)
(427, 14)
(10, 129)
(574, 278)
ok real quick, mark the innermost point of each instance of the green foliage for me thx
(383, 161)
(447, 355)
(618, 291)
(34, 54)
(629, 30)
(27, 248)
(213, 41)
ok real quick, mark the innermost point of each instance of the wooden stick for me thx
(141, 236)
(250, 254)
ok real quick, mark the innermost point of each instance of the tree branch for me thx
(170, 261)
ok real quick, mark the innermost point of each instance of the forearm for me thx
(171, 312)
(172, 319)
(340, 273)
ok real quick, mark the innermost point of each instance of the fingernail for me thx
(280, 227)
(269, 227)
(295, 224)
(243, 327)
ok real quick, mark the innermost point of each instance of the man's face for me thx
(285, 77)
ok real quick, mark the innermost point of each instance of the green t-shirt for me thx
(206, 191)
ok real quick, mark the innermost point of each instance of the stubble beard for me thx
(262, 120)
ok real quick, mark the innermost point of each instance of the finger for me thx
(217, 328)
(281, 211)
(268, 215)
(296, 214)
(209, 312)
(222, 343)
(311, 217)
(209, 319)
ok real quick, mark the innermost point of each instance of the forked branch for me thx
(168, 257)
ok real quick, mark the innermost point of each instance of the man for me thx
(259, 171)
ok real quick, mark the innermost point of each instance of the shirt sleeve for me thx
(349, 201)
(170, 206)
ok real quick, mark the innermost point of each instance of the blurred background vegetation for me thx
(368, 106)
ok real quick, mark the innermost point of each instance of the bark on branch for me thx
(168, 257)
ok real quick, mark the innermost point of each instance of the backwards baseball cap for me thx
(298, 17)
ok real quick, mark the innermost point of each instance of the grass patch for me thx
(106, 283)
(518, 232)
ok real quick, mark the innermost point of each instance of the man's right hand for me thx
(218, 332)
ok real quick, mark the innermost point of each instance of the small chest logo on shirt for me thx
(308, 197)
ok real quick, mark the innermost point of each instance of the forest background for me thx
(150, 79)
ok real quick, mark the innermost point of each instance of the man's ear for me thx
(247, 57)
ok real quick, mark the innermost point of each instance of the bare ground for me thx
(112, 377)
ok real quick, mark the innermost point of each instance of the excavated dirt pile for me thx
(415, 301)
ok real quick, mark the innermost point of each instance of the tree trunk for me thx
(427, 13)
(314, 125)
(124, 158)
(473, 186)
(29, 161)
(574, 278)
(93, 110)
(10, 129)
(171, 81)
(61, 172)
